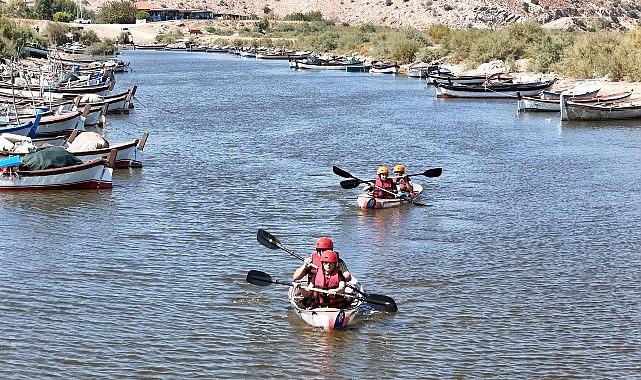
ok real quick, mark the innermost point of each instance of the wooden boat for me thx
(321, 64)
(535, 104)
(328, 318)
(615, 110)
(94, 174)
(383, 68)
(367, 201)
(150, 47)
(128, 154)
(588, 89)
(492, 90)
(55, 125)
(25, 129)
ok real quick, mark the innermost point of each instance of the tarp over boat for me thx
(49, 158)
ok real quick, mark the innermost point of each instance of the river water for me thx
(527, 263)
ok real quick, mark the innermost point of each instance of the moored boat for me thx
(492, 90)
(328, 318)
(536, 104)
(94, 174)
(368, 202)
(616, 110)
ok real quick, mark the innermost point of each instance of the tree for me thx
(262, 25)
(57, 33)
(117, 12)
(44, 9)
(66, 6)
(62, 17)
(142, 15)
(16, 8)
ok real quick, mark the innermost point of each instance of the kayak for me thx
(367, 201)
(327, 318)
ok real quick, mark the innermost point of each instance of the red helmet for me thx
(324, 243)
(329, 257)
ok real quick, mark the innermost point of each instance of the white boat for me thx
(94, 174)
(534, 104)
(328, 318)
(382, 68)
(128, 154)
(367, 201)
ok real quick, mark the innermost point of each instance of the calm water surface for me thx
(527, 264)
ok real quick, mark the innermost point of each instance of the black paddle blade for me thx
(259, 278)
(350, 183)
(268, 240)
(436, 172)
(381, 303)
(340, 172)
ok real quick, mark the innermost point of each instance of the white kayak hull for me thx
(368, 202)
(328, 318)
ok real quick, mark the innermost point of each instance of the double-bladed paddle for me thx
(354, 182)
(378, 301)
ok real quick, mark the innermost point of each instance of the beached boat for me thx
(367, 201)
(587, 89)
(314, 63)
(492, 90)
(535, 104)
(328, 318)
(599, 111)
(150, 47)
(94, 174)
(450, 78)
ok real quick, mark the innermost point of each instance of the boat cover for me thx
(86, 142)
(49, 158)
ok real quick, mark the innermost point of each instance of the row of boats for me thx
(576, 103)
(50, 112)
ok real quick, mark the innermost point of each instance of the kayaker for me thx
(322, 244)
(330, 278)
(402, 180)
(383, 186)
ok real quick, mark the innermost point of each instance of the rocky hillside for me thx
(584, 14)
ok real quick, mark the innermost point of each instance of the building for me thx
(158, 13)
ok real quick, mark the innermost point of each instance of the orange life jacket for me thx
(325, 283)
(387, 184)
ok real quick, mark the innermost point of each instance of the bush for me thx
(309, 16)
(86, 37)
(101, 48)
(142, 15)
(12, 36)
(124, 38)
(117, 12)
(62, 17)
(57, 33)
(17, 9)
(262, 26)
(169, 38)
(437, 32)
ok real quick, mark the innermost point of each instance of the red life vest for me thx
(387, 184)
(325, 283)
(312, 271)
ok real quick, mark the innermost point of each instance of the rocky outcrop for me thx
(422, 13)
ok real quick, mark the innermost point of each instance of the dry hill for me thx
(613, 14)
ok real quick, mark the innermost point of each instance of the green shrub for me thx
(13, 35)
(57, 33)
(62, 17)
(169, 38)
(262, 25)
(101, 48)
(16, 8)
(124, 38)
(142, 15)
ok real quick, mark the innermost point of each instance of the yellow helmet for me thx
(382, 170)
(399, 168)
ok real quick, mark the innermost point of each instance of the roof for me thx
(145, 6)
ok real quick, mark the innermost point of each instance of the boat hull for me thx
(492, 92)
(367, 202)
(90, 175)
(328, 318)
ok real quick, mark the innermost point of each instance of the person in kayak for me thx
(383, 186)
(402, 181)
(313, 262)
(330, 278)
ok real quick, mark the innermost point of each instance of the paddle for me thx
(270, 241)
(378, 301)
(354, 182)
